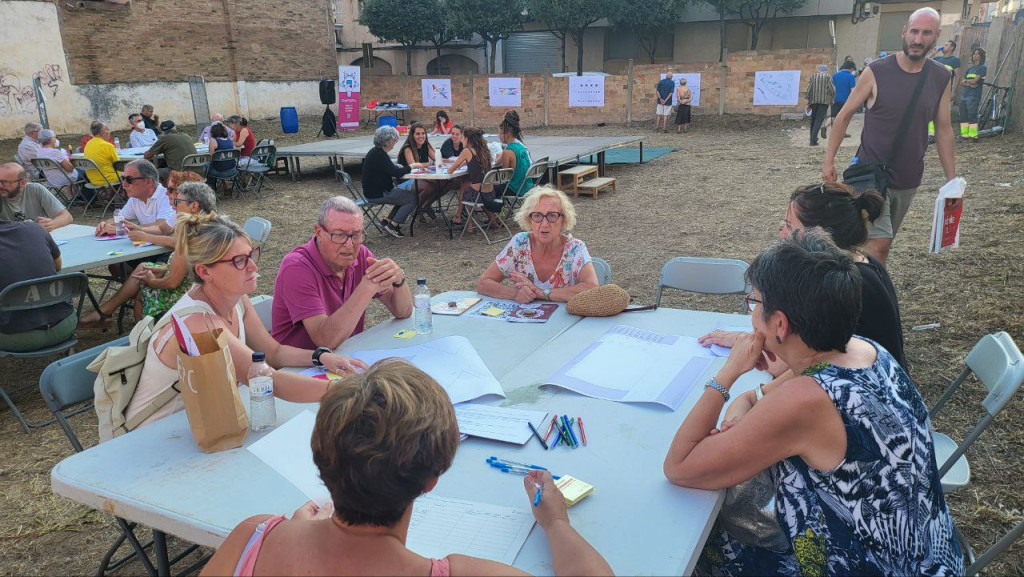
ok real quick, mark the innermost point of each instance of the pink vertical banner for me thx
(348, 97)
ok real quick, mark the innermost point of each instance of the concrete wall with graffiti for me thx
(31, 44)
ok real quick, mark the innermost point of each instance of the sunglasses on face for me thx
(242, 260)
(133, 179)
(551, 217)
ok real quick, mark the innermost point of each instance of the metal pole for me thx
(629, 92)
(547, 77)
(721, 89)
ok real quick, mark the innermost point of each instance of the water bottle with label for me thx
(119, 229)
(262, 409)
(117, 143)
(421, 303)
(437, 162)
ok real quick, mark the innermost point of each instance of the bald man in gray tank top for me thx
(886, 86)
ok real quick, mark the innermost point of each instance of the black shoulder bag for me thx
(866, 176)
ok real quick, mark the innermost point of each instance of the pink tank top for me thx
(247, 561)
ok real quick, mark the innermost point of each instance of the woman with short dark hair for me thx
(847, 441)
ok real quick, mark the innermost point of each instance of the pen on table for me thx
(537, 433)
(551, 427)
(583, 434)
(568, 427)
(536, 498)
(562, 433)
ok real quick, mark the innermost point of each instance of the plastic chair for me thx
(86, 164)
(229, 175)
(372, 208)
(260, 163)
(67, 388)
(513, 198)
(496, 177)
(999, 365)
(67, 191)
(37, 294)
(196, 163)
(264, 305)
(258, 229)
(603, 270)
(704, 275)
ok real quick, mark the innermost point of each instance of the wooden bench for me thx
(595, 184)
(578, 173)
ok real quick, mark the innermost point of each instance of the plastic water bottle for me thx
(424, 321)
(119, 229)
(117, 143)
(437, 163)
(262, 410)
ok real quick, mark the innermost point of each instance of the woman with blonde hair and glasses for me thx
(381, 440)
(545, 262)
(221, 261)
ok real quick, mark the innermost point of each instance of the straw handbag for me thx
(603, 301)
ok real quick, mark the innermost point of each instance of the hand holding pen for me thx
(547, 503)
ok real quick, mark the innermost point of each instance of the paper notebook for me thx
(573, 489)
(461, 305)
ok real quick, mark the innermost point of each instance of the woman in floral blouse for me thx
(545, 262)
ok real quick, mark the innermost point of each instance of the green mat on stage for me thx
(628, 155)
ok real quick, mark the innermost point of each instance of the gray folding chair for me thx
(36, 294)
(603, 269)
(66, 190)
(372, 208)
(264, 305)
(478, 212)
(704, 275)
(196, 163)
(67, 388)
(513, 198)
(256, 169)
(31, 170)
(86, 164)
(995, 550)
(258, 229)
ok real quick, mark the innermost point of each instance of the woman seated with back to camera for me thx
(222, 263)
(844, 214)
(383, 438)
(379, 174)
(545, 262)
(847, 441)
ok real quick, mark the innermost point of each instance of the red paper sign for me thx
(951, 213)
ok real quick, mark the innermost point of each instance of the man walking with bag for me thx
(903, 92)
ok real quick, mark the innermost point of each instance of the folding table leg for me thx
(163, 564)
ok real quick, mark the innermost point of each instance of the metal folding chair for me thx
(86, 164)
(477, 210)
(67, 388)
(258, 229)
(260, 163)
(32, 171)
(372, 208)
(603, 270)
(264, 305)
(35, 294)
(704, 275)
(196, 163)
(66, 191)
(513, 198)
(230, 175)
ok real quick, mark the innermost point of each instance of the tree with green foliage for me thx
(723, 8)
(756, 13)
(407, 23)
(569, 18)
(491, 20)
(646, 19)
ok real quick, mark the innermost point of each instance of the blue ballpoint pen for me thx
(572, 435)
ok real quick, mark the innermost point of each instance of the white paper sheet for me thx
(452, 361)
(776, 87)
(286, 449)
(586, 91)
(719, 350)
(437, 91)
(441, 526)
(633, 365)
(498, 423)
(505, 92)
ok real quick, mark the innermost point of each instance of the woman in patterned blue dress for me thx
(847, 441)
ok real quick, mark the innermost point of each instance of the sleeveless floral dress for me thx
(880, 512)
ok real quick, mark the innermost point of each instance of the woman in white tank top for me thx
(222, 262)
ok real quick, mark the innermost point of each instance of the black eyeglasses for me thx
(342, 238)
(751, 301)
(175, 201)
(241, 261)
(132, 179)
(549, 216)
(9, 182)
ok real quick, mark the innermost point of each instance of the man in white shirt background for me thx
(140, 135)
(147, 201)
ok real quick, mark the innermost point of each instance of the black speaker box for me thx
(328, 94)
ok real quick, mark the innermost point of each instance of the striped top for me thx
(820, 89)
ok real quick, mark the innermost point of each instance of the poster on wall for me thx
(586, 91)
(692, 82)
(348, 97)
(505, 92)
(777, 88)
(437, 92)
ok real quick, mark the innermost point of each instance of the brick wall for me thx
(470, 103)
(165, 40)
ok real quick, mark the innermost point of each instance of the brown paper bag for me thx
(210, 391)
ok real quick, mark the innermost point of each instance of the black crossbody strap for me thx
(901, 132)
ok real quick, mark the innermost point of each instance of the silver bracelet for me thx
(713, 384)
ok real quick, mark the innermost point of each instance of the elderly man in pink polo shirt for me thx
(324, 286)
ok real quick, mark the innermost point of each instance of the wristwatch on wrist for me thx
(547, 294)
(316, 355)
(398, 284)
(713, 384)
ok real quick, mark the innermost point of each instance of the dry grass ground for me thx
(724, 194)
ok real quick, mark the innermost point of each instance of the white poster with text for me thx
(586, 91)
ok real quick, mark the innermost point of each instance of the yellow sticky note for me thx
(405, 334)
(494, 312)
(573, 489)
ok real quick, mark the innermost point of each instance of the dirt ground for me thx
(723, 194)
